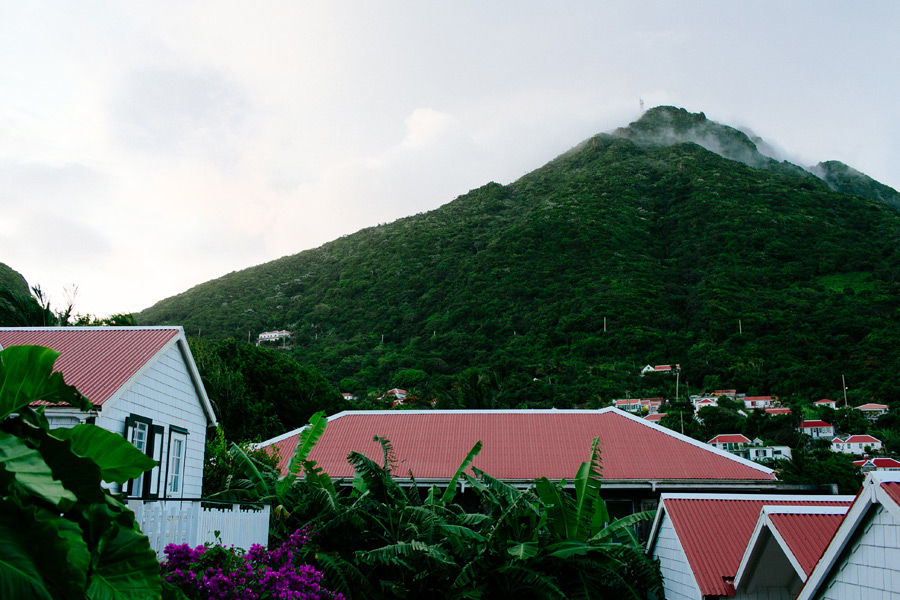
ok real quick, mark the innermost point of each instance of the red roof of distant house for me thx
(729, 438)
(778, 411)
(872, 406)
(824, 401)
(714, 532)
(707, 401)
(861, 439)
(880, 463)
(655, 417)
(96, 360)
(808, 424)
(760, 398)
(520, 445)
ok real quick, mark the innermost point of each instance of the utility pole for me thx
(844, 384)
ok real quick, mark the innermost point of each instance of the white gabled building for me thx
(856, 444)
(863, 559)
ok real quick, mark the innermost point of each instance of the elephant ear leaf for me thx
(118, 459)
(26, 375)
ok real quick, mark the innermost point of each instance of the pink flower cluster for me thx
(217, 573)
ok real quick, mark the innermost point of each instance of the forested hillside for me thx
(645, 246)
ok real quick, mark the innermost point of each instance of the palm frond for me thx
(450, 492)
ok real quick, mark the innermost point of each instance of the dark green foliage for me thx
(822, 466)
(260, 393)
(619, 253)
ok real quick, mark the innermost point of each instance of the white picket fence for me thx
(187, 522)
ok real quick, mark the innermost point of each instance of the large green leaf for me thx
(30, 471)
(26, 375)
(118, 459)
(561, 519)
(450, 492)
(307, 440)
(124, 567)
(20, 576)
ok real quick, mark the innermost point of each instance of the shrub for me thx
(207, 573)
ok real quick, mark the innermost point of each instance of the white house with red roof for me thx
(730, 441)
(781, 410)
(817, 429)
(827, 403)
(872, 410)
(143, 384)
(862, 560)
(704, 541)
(637, 405)
(856, 444)
(878, 464)
(751, 402)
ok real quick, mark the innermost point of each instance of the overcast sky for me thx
(148, 147)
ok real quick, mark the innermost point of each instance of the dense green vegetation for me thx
(259, 393)
(620, 253)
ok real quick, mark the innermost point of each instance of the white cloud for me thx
(172, 142)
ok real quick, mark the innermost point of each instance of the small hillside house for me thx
(872, 410)
(878, 464)
(729, 441)
(856, 444)
(826, 403)
(144, 385)
(751, 402)
(817, 429)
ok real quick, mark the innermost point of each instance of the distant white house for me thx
(752, 402)
(660, 369)
(872, 410)
(729, 441)
(827, 403)
(273, 336)
(878, 464)
(817, 429)
(636, 405)
(856, 444)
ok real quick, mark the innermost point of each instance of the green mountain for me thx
(674, 240)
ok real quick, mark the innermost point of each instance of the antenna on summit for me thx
(642, 104)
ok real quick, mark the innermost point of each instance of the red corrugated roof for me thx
(872, 406)
(807, 424)
(96, 360)
(714, 533)
(893, 490)
(860, 439)
(729, 438)
(807, 535)
(521, 445)
(778, 411)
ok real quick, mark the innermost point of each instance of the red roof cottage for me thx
(817, 429)
(705, 541)
(143, 384)
(863, 558)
